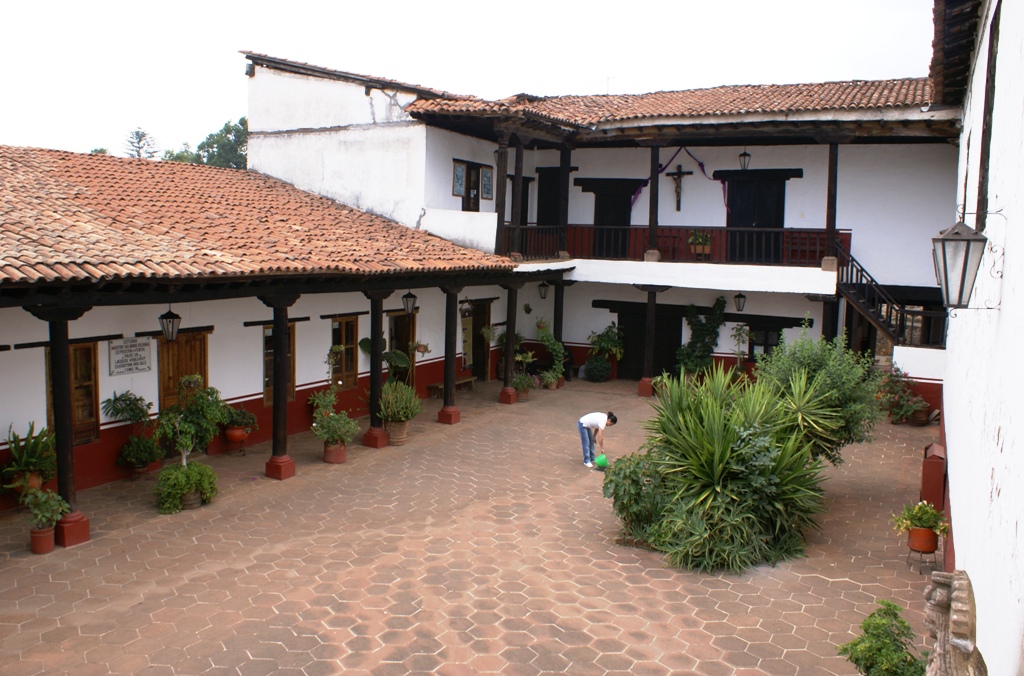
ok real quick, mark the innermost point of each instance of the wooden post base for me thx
(449, 415)
(508, 396)
(375, 437)
(280, 467)
(72, 529)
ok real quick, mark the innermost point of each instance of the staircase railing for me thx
(862, 290)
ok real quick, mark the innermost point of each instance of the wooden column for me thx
(449, 413)
(645, 388)
(517, 199)
(73, 528)
(556, 328)
(564, 171)
(652, 212)
(829, 308)
(280, 466)
(508, 393)
(376, 437)
(500, 192)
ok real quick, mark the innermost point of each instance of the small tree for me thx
(140, 145)
(883, 649)
(227, 147)
(185, 155)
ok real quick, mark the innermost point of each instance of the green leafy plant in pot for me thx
(194, 420)
(45, 509)
(239, 423)
(399, 404)
(139, 450)
(33, 459)
(334, 429)
(604, 346)
(185, 486)
(923, 524)
(551, 377)
(884, 646)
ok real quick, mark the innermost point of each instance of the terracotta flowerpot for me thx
(522, 395)
(42, 541)
(236, 434)
(335, 454)
(398, 431)
(552, 386)
(923, 540)
(32, 480)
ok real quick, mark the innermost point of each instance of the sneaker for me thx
(588, 463)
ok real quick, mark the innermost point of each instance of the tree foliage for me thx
(227, 147)
(883, 649)
(140, 145)
(849, 384)
(185, 155)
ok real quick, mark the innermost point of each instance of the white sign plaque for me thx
(130, 355)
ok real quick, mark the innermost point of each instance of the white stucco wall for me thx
(333, 139)
(920, 363)
(985, 450)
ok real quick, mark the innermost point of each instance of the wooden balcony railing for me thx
(678, 244)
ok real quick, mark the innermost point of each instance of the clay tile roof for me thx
(589, 111)
(67, 216)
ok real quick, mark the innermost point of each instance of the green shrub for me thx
(883, 649)
(695, 356)
(174, 481)
(598, 369)
(127, 407)
(608, 343)
(633, 482)
(240, 417)
(399, 402)
(192, 422)
(45, 507)
(847, 382)
(334, 428)
(139, 451)
(35, 452)
(736, 469)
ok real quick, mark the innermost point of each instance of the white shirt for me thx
(594, 421)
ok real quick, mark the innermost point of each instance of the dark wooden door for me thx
(481, 348)
(185, 356)
(613, 208)
(547, 196)
(668, 335)
(756, 206)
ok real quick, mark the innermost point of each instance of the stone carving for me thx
(950, 617)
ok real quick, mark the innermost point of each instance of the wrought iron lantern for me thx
(543, 290)
(744, 160)
(956, 254)
(409, 302)
(741, 302)
(169, 323)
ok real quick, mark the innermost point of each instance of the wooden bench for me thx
(437, 389)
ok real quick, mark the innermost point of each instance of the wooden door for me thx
(481, 348)
(84, 394)
(668, 333)
(184, 356)
(402, 331)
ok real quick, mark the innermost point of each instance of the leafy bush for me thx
(608, 343)
(35, 452)
(736, 477)
(240, 417)
(45, 507)
(399, 402)
(127, 407)
(174, 481)
(920, 515)
(633, 482)
(883, 649)
(598, 369)
(194, 420)
(847, 382)
(523, 382)
(334, 428)
(139, 451)
(695, 355)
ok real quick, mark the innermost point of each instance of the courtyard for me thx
(482, 547)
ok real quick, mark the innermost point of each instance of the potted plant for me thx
(185, 487)
(741, 337)
(549, 379)
(557, 352)
(523, 383)
(923, 523)
(139, 452)
(488, 333)
(897, 396)
(33, 459)
(416, 347)
(604, 347)
(399, 404)
(45, 509)
(700, 242)
(335, 430)
(239, 423)
(194, 420)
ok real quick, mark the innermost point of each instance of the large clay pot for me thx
(32, 480)
(42, 541)
(335, 454)
(522, 395)
(398, 431)
(236, 434)
(923, 540)
(918, 418)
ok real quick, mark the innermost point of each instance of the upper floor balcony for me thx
(794, 247)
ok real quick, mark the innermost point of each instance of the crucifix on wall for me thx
(677, 176)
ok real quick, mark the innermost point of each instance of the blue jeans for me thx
(587, 437)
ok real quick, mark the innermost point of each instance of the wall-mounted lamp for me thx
(409, 302)
(956, 254)
(169, 323)
(543, 290)
(740, 300)
(744, 160)
(465, 307)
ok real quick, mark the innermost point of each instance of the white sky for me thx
(80, 75)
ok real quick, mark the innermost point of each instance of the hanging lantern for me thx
(956, 254)
(409, 302)
(740, 300)
(543, 290)
(744, 160)
(169, 323)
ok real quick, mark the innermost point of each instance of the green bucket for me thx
(601, 461)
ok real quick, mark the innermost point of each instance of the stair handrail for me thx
(852, 273)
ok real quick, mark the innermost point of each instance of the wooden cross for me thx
(677, 176)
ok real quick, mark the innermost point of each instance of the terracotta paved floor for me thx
(480, 547)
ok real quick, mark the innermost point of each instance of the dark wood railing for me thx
(677, 243)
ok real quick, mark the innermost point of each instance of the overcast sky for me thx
(80, 75)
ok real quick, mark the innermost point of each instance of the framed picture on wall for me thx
(459, 179)
(486, 183)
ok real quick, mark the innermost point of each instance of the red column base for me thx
(449, 415)
(375, 437)
(72, 529)
(645, 388)
(280, 467)
(508, 396)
